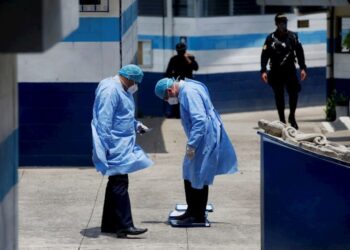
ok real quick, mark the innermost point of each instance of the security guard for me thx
(281, 48)
(180, 66)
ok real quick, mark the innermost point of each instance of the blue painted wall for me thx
(54, 118)
(8, 163)
(236, 92)
(239, 41)
(305, 199)
(54, 123)
(342, 86)
(103, 29)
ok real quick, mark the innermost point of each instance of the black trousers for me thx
(196, 200)
(280, 80)
(117, 208)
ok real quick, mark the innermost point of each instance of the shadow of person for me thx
(155, 222)
(93, 232)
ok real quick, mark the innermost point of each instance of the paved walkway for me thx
(60, 208)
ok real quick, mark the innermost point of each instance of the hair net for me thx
(162, 85)
(132, 72)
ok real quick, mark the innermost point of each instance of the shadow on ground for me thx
(95, 232)
(153, 141)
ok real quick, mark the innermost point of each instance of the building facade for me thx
(56, 88)
(226, 38)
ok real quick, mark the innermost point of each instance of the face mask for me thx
(282, 27)
(132, 89)
(173, 100)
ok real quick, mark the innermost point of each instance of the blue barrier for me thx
(305, 198)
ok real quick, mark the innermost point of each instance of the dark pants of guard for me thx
(117, 208)
(280, 80)
(196, 200)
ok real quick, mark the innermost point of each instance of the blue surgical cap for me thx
(162, 85)
(132, 72)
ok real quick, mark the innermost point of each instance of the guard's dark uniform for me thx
(179, 68)
(282, 49)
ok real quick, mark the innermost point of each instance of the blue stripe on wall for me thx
(8, 163)
(96, 29)
(228, 41)
(129, 16)
(103, 29)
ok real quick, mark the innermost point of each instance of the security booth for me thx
(305, 198)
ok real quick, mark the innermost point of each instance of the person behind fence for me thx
(209, 151)
(180, 66)
(280, 49)
(115, 153)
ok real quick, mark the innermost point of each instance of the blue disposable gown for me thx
(114, 131)
(214, 153)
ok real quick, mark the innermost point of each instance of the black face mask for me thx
(282, 27)
(181, 52)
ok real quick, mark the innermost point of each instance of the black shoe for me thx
(131, 231)
(293, 122)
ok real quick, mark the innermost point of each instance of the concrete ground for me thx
(60, 208)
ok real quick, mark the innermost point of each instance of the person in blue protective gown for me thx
(115, 152)
(209, 151)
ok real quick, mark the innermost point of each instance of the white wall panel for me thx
(126, 4)
(129, 44)
(228, 25)
(341, 65)
(150, 25)
(70, 62)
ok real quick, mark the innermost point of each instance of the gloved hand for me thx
(190, 152)
(141, 129)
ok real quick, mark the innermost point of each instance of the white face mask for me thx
(132, 89)
(173, 100)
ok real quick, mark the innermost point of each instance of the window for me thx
(344, 35)
(277, 9)
(215, 8)
(144, 53)
(208, 8)
(94, 5)
(152, 8)
(245, 7)
(184, 8)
